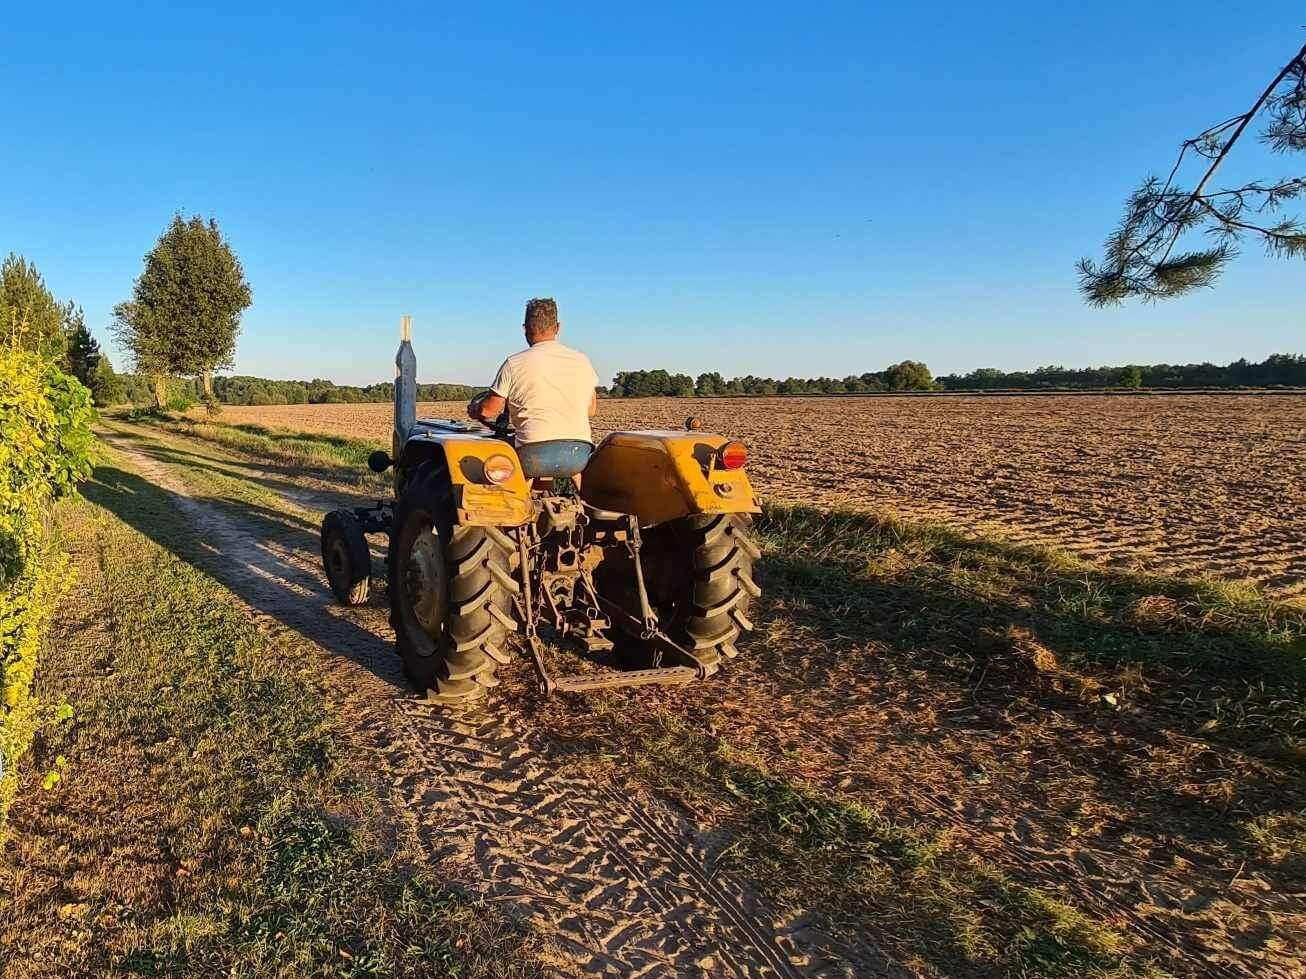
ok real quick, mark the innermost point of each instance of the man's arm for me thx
(486, 407)
(594, 403)
(489, 405)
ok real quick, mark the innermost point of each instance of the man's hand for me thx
(486, 407)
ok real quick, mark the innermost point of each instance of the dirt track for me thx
(1196, 484)
(626, 889)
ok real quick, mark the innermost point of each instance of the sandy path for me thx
(626, 889)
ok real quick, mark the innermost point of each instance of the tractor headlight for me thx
(499, 469)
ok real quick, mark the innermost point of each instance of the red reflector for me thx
(733, 455)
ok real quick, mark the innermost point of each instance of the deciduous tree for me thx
(184, 315)
(910, 375)
(107, 388)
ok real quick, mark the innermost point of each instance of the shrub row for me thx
(45, 442)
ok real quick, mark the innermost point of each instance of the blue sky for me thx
(796, 189)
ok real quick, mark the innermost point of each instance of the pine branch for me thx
(1139, 259)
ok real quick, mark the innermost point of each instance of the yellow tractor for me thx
(641, 546)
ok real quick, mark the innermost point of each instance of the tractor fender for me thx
(663, 475)
(478, 502)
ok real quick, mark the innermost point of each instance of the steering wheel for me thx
(501, 427)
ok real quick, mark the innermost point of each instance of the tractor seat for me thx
(555, 457)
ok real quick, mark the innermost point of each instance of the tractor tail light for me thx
(733, 455)
(499, 469)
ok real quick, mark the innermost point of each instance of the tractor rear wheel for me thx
(451, 592)
(699, 572)
(346, 557)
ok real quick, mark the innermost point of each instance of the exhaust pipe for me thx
(405, 387)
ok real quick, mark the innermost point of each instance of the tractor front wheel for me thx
(451, 592)
(346, 557)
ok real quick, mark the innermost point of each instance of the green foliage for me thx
(45, 442)
(1146, 256)
(83, 350)
(660, 383)
(107, 387)
(1276, 370)
(645, 384)
(185, 310)
(910, 375)
(244, 390)
(1131, 377)
(30, 316)
(179, 400)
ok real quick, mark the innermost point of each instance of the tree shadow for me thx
(263, 556)
(253, 472)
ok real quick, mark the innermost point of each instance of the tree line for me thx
(32, 319)
(1277, 370)
(910, 375)
(239, 389)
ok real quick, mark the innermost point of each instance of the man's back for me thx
(549, 388)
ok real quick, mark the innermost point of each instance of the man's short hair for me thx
(541, 318)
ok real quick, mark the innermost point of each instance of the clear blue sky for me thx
(787, 189)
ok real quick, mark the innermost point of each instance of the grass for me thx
(862, 610)
(283, 445)
(1089, 613)
(204, 820)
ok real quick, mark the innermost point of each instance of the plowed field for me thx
(1196, 484)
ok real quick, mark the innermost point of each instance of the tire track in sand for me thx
(625, 888)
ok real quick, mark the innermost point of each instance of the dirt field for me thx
(1201, 484)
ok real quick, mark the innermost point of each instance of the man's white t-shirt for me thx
(548, 388)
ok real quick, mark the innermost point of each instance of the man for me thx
(547, 388)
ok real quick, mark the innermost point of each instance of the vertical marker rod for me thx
(405, 388)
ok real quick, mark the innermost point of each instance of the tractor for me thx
(639, 551)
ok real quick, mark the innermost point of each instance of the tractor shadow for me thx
(992, 640)
(267, 558)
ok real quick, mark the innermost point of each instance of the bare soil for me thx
(1185, 484)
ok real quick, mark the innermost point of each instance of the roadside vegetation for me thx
(204, 815)
(45, 442)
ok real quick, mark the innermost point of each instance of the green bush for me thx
(45, 443)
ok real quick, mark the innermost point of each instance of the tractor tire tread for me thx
(723, 586)
(462, 666)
